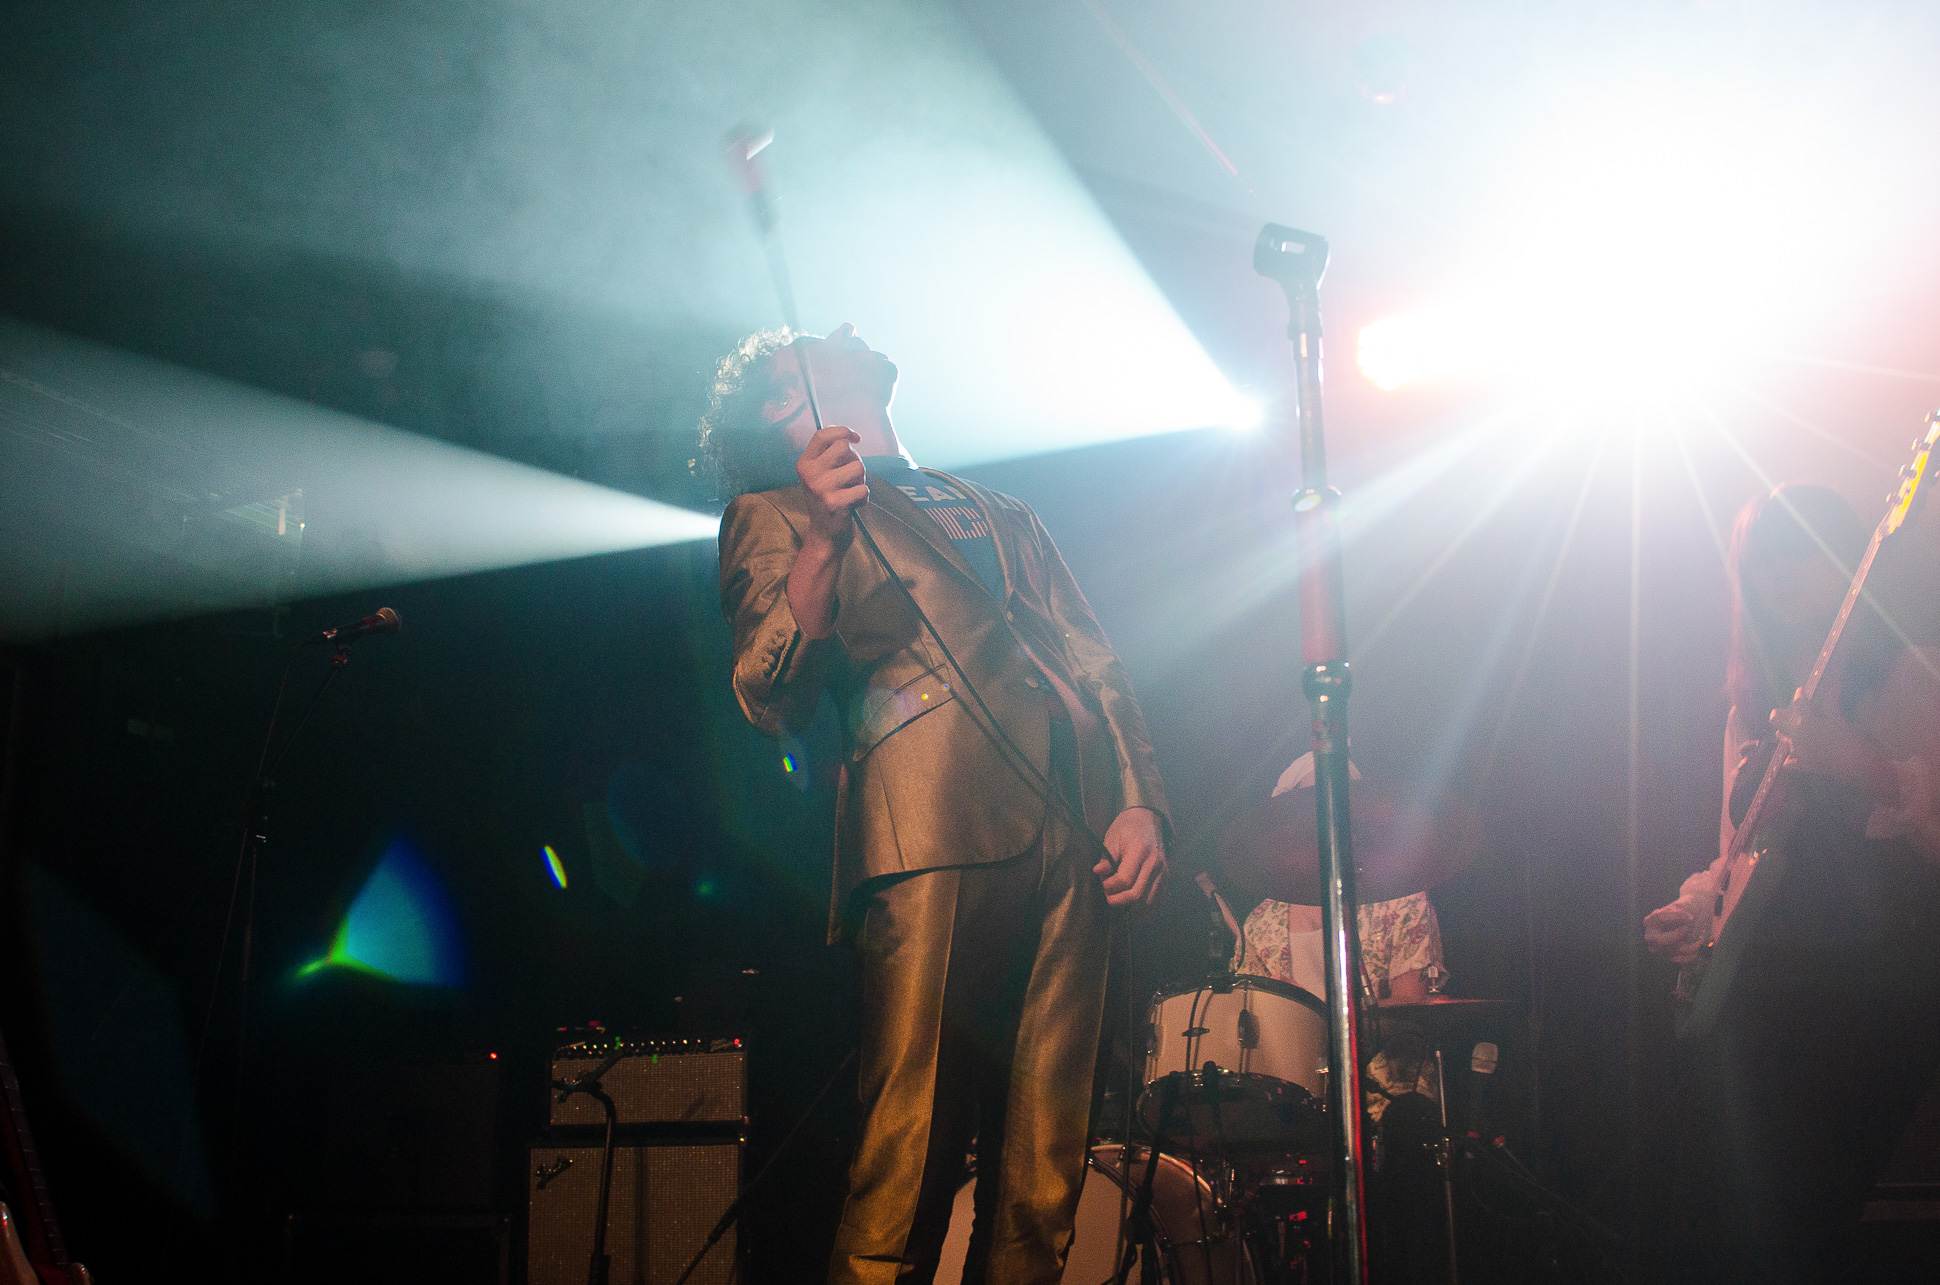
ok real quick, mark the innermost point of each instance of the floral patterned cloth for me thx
(1284, 942)
(1396, 937)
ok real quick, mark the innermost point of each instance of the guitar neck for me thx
(1766, 797)
(41, 1233)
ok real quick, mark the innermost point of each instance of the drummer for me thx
(1401, 952)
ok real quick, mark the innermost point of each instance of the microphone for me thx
(743, 145)
(384, 622)
(1481, 1065)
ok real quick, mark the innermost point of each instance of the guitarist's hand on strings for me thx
(1675, 932)
(836, 482)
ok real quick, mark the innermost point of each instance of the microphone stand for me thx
(1296, 260)
(732, 1214)
(598, 1267)
(248, 852)
(1139, 1222)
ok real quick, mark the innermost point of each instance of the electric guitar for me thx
(31, 1249)
(1755, 864)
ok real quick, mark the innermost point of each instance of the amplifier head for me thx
(672, 1081)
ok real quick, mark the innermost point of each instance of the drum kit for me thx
(1222, 1172)
(1235, 1098)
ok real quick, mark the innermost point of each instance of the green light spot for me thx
(340, 957)
(400, 927)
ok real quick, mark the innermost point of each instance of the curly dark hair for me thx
(745, 451)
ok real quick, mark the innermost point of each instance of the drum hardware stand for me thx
(1142, 1205)
(732, 1214)
(1500, 1160)
(1296, 260)
(1445, 1161)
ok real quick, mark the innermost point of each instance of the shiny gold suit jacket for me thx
(924, 784)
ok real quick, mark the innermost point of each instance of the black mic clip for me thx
(1290, 256)
(384, 622)
(1296, 260)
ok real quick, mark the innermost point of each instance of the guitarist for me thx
(1795, 1098)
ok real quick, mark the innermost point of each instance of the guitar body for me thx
(14, 1267)
(1756, 864)
(17, 1269)
(1755, 877)
(48, 1264)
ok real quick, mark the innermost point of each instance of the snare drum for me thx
(1231, 1115)
(1193, 1242)
(1252, 1025)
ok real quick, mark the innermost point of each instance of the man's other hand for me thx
(836, 482)
(1138, 846)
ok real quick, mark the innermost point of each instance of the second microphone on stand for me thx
(384, 622)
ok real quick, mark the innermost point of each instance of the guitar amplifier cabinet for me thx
(666, 1197)
(678, 1081)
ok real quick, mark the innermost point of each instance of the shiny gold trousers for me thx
(983, 989)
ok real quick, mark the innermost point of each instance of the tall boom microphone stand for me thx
(743, 150)
(1296, 260)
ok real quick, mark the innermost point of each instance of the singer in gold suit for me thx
(984, 831)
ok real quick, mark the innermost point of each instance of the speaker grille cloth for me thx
(665, 1200)
(670, 1088)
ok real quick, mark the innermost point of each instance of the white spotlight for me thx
(1416, 347)
(136, 490)
(1245, 414)
(1644, 242)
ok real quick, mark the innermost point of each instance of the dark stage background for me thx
(1538, 625)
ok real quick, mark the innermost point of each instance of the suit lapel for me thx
(885, 498)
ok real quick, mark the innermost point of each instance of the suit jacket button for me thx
(1030, 680)
(1010, 615)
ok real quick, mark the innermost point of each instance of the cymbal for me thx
(1443, 1012)
(1404, 843)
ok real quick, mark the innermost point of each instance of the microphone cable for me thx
(743, 146)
